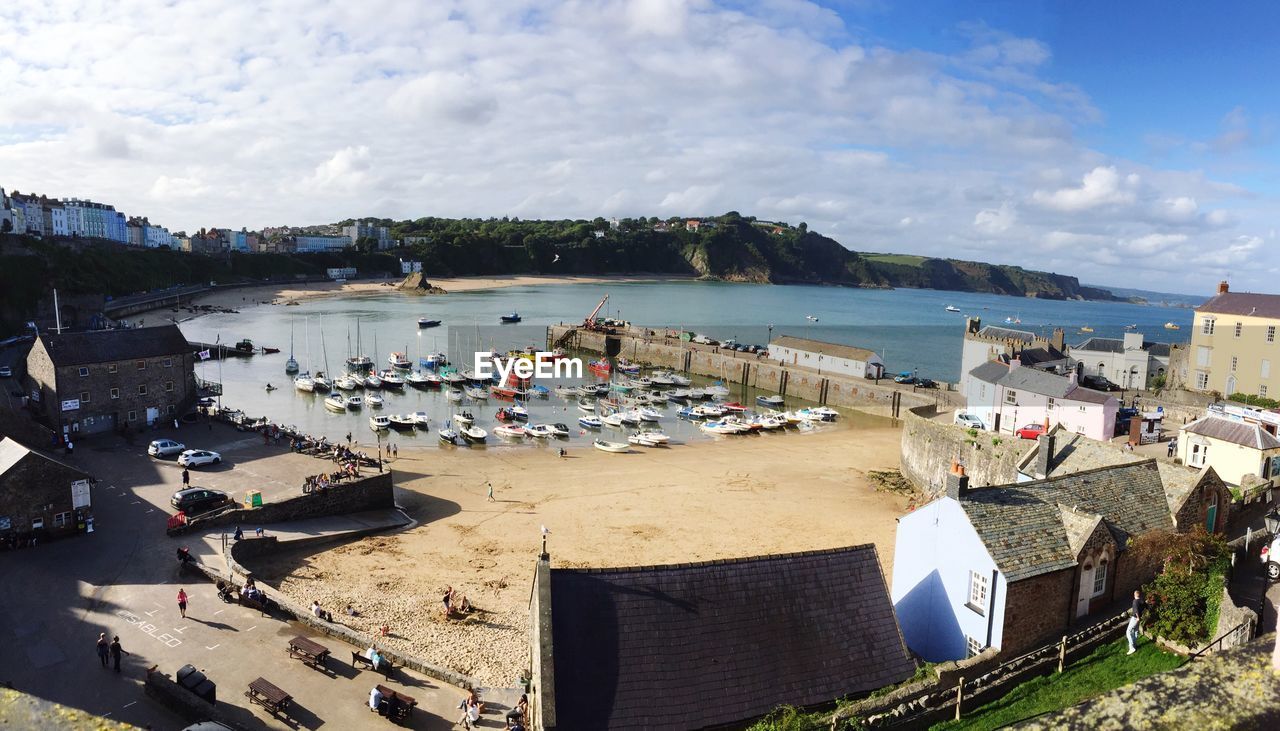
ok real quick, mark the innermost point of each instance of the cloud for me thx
(345, 167)
(995, 220)
(1101, 186)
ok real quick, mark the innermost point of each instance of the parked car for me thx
(198, 457)
(198, 500)
(703, 340)
(926, 383)
(165, 448)
(6, 372)
(904, 377)
(1098, 383)
(969, 420)
(1271, 558)
(1030, 431)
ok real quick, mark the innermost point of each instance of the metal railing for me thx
(1233, 632)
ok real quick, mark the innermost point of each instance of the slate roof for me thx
(1243, 303)
(12, 453)
(1037, 381)
(834, 350)
(696, 645)
(106, 346)
(1116, 345)
(1036, 356)
(1005, 333)
(1088, 395)
(1023, 529)
(1252, 436)
(990, 372)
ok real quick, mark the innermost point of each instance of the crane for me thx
(590, 321)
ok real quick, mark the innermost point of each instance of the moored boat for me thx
(448, 435)
(587, 405)
(771, 402)
(378, 422)
(399, 360)
(424, 322)
(420, 419)
(590, 422)
(560, 430)
(614, 447)
(511, 431)
(513, 317)
(355, 402)
(391, 379)
(303, 382)
(372, 381)
(374, 400)
(473, 434)
(540, 431)
(401, 422)
(335, 402)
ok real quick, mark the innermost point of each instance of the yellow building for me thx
(1234, 449)
(1234, 344)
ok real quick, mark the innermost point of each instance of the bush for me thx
(1261, 402)
(1184, 597)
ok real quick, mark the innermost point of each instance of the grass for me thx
(1105, 669)
(903, 259)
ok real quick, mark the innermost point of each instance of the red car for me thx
(1031, 431)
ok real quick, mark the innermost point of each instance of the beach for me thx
(733, 498)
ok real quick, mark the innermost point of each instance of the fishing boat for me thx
(540, 431)
(510, 431)
(770, 402)
(447, 435)
(378, 422)
(391, 379)
(560, 430)
(473, 434)
(399, 360)
(614, 447)
(372, 381)
(952, 308)
(425, 322)
(600, 366)
(335, 402)
(627, 366)
(420, 419)
(418, 379)
(374, 401)
(513, 317)
(587, 405)
(433, 361)
(400, 422)
(590, 422)
(464, 418)
(355, 402)
(1172, 326)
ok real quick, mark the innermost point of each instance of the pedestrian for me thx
(1135, 616)
(239, 534)
(175, 423)
(186, 478)
(116, 650)
(348, 439)
(104, 647)
(490, 484)
(182, 602)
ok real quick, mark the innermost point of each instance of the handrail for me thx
(1218, 641)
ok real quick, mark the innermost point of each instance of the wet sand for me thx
(732, 498)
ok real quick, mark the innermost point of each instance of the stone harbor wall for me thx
(928, 447)
(373, 492)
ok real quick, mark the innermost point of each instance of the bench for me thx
(309, 651)
(261, 606)
(406, 703)
(358, 658)
(267, 695)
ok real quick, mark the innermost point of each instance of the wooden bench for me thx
(254, 604)
(358, 658)
(309, 651)
(406, 703)
(262, 692)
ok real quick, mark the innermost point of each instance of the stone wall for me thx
(37, 488)
(928, 447)
(1038, 610)
(542, 679)
(368, 493)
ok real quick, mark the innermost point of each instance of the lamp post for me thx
(770, 338)
(379, 436)
(1272, 521)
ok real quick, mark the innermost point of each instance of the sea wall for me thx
(369, 493)
(928, 447)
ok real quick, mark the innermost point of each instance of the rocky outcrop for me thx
(417, 284)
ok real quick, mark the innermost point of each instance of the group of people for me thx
(325, 481)
(320, 612)
(111, 650)
(389, 706)
(472, 707)
(455, 603)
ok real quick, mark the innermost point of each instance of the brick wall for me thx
(1194, 511)
(370, 493)
(1037, 611)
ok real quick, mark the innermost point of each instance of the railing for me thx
(1235, 631)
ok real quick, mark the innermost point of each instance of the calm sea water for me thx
(910, 328)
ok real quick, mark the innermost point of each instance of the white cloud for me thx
(995, 220)
(1101, 186)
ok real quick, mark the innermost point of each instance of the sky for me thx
(1127, 143)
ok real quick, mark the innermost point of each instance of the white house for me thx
(1129, 362)
(368, 229)
(995, 342)
(1236, 449)
(827, 357)
(1009, 396)
(310, 244)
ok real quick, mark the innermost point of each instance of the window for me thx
(1266, 368)
(1199, 454)
(84, 397)
(1202, 380)
(170, 410)
(168, 362)
(112, 368)
(972, 646)
(1050, 402)
(977, 592)
(1100, 579)
(1235, 361)
(61, 520)
(142, 365)
(1271, 333)
(1202, 355)
(168, 385)
(1011, 397)
(83, 371)
(133, 416)
(115, 393)
(1206, 327)
(1239, 329)
(1262, 391)
(142, 389)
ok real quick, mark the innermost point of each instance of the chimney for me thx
(1223, 287)
(1015, 362)
(957, 481)
(1044, 455)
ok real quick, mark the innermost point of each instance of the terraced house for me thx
(1234, 342)
(88, 382)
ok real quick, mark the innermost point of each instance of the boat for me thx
(772, 421)
(1086, 329)
(391, 379)
(476, 392)
(539, 391)
(627, 366)
(1172, 326)
(425, 323)
(560, 430)
(640, 441)
(722, 427)
(303, 382)
(952, 308)
(567, 392)
(270, 388)
(600, 366)
(504, 414)
(420, 419)
(708, 411)
(473, 434)
(418, 379)
(355, 402)
(519, 412)
(269, 351)
(540, 431)
(1013, 320)
(630, 418)
(464, 418)
(614, 447)
(372, 381)
(771, 402)
(812, 415)
(826, 412)
(447, 435)
(614, 420)
(399, 360)
(374, 400)
(454, 394)
(510, 431)
(590, 422)
(453, 378)
(513, 317)
(733, 406)
(335, 402)
(291, 365)
(433, 361)
(716, 390)
(359, 363)
(587, 405)
(347, 383)
(648, 414)
(402, 422)
(320, 382)
(811, 318)
(1133, 326)
(378, 422)
(686, 413)
(653, 436)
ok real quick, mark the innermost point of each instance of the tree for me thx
(366, 244)
(803, 227)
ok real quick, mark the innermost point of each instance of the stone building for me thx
(1129, 362)
(88, 382)
(40, 497)
(826, 357)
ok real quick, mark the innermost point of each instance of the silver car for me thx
(969, 420)
(165, 448)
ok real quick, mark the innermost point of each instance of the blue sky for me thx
(1130, 143)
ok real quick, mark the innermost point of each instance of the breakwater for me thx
(748, 371)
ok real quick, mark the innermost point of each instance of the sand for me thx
(737, 497)
(281, 293)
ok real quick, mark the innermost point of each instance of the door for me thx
(1211, 516)
(153, 413)
(1086, 590)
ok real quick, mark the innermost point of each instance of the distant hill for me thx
(1159, 298)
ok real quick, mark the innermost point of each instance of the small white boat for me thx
(630, 418)
(540, 431)
(473, 434)
(567, 392)
(706, 411)
(952, 308)
(772, 422)
(401, 422)
(560, 430)
(454, 394)
(716, 390)
(587, 405)
(378, 422)
(648, 415)
(464, 419)
(614, 420)
(519, 412)
(374, 400)
(722, 427)
(391, 379)
(476, 392)
(399, 360)
(420, 419)
(372, 381)
(511, 431)
(654, 436)
(304, 383)
(615, 447)
(770, 402)
(811, 318)
(335, 402)
(590, 422)
(448, 436)
(827, 413)
(347, 383)
(355, 402)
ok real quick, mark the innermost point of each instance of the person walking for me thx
(1135, 616)
(186, 478)
(490, 484)
(182, 602)
(116, 651)
(104, 647)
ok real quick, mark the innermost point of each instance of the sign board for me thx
(80, 494)
(71, 404)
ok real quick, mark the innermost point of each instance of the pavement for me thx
(124, 578)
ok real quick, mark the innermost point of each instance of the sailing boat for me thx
(322, 383)
(359, 363)
(303, 381)
(291, 365)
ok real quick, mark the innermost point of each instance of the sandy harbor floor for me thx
(732, 498)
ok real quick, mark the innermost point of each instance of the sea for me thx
(910, 328)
